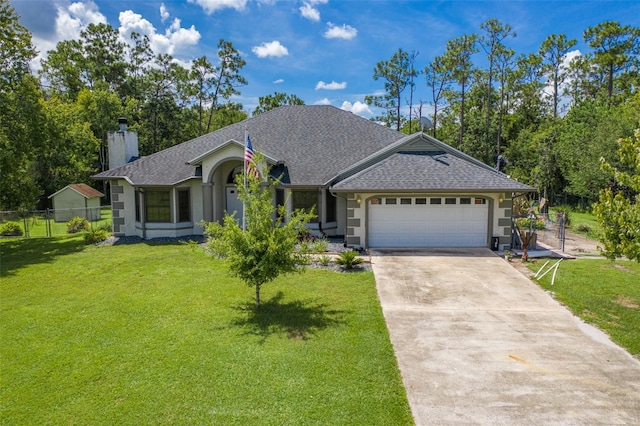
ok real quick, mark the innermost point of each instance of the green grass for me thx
(160, 334)
(37, 224)
(603, 293)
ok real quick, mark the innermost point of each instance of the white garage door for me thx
(428, 222)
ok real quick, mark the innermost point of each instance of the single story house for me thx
(77, 199)
(373, 185)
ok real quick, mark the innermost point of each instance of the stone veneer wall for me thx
(504, 221)
(117, 209)
(353, 221)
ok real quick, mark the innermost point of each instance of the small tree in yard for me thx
(619, 213)
(266, 248)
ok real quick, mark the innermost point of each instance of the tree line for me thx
(537, 119)
(54, 125)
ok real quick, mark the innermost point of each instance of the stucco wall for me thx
(124, 214)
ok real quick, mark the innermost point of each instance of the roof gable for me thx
(415, 142)
(422, 163)
(199, 159)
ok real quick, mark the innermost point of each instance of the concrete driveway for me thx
(478, 343)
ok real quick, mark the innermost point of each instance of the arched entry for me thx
(233, 204)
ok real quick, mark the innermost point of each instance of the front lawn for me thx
(159, 334)
(602, 293)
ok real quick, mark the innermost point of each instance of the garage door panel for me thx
(428, 225)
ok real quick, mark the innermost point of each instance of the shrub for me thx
(324, 260)
(96, 236)
(348, 259)
(304, 246)
(77, 224)
(11, 229)
(526, 223)
(583, 228)
(320, 245)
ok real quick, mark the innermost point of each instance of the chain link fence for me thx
(543, 227)
(53, 223)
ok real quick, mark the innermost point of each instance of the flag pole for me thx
(246, 139)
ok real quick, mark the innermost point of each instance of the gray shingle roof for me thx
(434, 170)
(315, 142)
(320, 144)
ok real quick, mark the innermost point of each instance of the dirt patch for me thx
(623, 268)
(627, 302)
(574, 244)
(522, 268)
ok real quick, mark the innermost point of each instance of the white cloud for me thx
(164, 13)
(358, 108)
(331, 86)
(182, 36)
(173, 40)
(75, 18)
(310, 12)
(211, 6)
(323, 101)
(69, 22)
(273, 48)
(87, 12)
(184, 64)
(278, 81)
(346, 32)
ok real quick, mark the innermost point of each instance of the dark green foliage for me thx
(349, 259)
(265, 249)
(397, 74)
(96, 236)
(11, 229)
(277, 99)
(618, 212)
(78, 224)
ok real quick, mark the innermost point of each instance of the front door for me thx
(234, 204)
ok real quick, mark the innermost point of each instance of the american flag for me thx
(250, 167)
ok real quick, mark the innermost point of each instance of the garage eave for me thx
(434, 190)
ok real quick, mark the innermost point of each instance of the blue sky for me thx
(323, 51)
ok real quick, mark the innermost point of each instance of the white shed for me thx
(77, 199)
